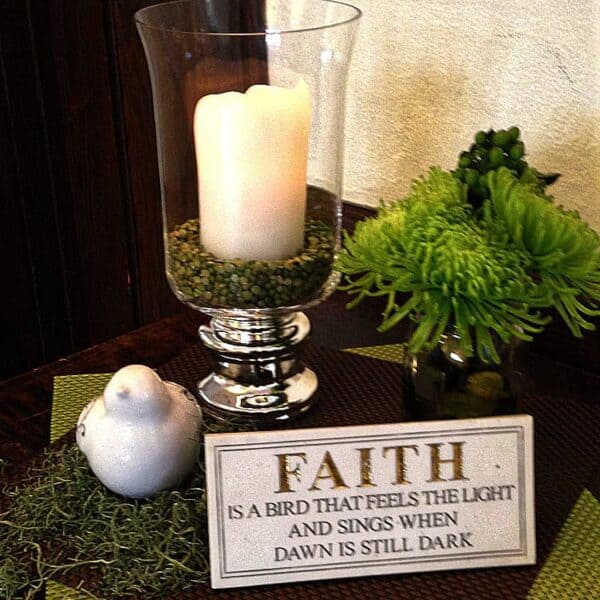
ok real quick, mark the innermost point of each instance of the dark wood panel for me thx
(39, 326)
(93, 164)
(156, 299)
(21, 346)
(56, 152)
(71, 264)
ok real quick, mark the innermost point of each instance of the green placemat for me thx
(572, 571)
(71, 394)
(389, 352)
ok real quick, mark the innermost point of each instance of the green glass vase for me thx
(446, 384)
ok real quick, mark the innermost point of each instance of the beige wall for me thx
(426, 74)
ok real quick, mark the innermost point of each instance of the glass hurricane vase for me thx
(249, 103)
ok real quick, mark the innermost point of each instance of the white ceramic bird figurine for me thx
(142, 435)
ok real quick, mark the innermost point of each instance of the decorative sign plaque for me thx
(305, 504)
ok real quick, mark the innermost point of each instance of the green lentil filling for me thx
(206, 280)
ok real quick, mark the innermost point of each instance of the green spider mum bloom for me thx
(455, 269)
(564, 251)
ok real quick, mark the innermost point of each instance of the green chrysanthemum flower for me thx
(564, 251)
(455, 268)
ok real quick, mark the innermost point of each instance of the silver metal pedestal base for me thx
(258, 375)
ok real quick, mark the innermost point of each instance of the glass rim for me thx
(138, 18)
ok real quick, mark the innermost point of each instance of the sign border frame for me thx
(217, 444)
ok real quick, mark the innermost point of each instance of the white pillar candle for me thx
(251, 154)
